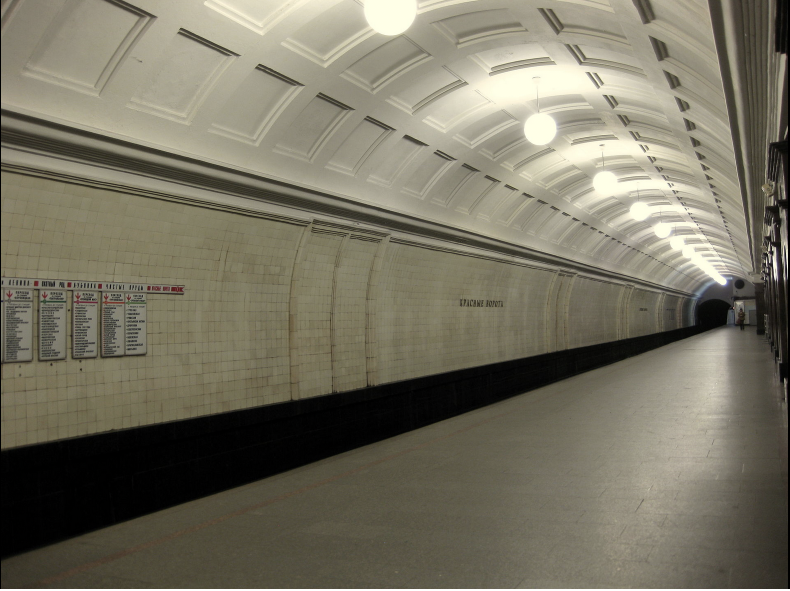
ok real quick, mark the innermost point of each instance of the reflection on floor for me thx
(668, 469)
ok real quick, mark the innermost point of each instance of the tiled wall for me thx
(642, 312)
(223, 345)
(594, 312)
(672, 312)
(275, 310)
(424, 329)
(312, 316)
(350, 317)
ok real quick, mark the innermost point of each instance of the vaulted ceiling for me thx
(427, 124)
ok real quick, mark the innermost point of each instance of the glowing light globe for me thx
(688, 251)
(540, 129)
(605, 183)
(639, 211)
(677, 242)
(662, 230)
(390, 17)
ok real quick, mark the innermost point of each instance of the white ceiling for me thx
(427, 124)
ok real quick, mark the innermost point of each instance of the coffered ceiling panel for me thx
(385, 64)
(478, 26)
(358, 146)
(75, 54)
(399, 155)
(257, 15)
(325, 39)
(428, 174)
(252, 109)
(187, 71)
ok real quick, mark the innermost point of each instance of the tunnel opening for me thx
(712, 313)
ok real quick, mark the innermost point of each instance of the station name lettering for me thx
(465, 303)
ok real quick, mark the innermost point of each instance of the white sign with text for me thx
(52, 319)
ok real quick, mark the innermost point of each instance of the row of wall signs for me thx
(107, 319)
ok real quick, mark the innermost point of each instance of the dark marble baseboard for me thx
(56, 490)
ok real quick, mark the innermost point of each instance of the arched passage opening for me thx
(712, 313)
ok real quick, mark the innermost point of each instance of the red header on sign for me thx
(30, 283)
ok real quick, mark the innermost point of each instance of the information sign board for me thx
(112, 324)
(51, 325)
(17, 325)
(84, 324)
(136, 333)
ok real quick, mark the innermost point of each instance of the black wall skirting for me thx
(56, 490)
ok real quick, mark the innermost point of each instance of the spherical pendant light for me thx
(639, 211)
(662, 230)
(605, 183)
(390, 17)
(688, 251)
(677, 242)
(540, 129)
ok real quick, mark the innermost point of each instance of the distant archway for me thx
(712, 313)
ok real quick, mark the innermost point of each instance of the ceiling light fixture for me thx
(677, 242)
(661, 229)
(390, 17)
(605, 182)
(540, 129)
(688, 251)
(639, 211)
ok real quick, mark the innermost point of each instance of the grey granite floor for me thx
(668, 469)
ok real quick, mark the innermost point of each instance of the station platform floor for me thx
(667, 470)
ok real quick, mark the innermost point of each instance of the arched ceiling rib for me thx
(428, 123)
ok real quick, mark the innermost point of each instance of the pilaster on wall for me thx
(672, 312)
(551, 317)
(660, 312)
(331, 322)
(690, 311)
(293, 344)
(564, 298)
(681, 302)
(373, 298)
(350, 312)
(335, 323)
(557, 311)
(623, 327)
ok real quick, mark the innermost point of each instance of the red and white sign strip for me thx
(84, 324)
(112, 325)
(17, 324)
(26, 283)
(51, 325)
(123, 318)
